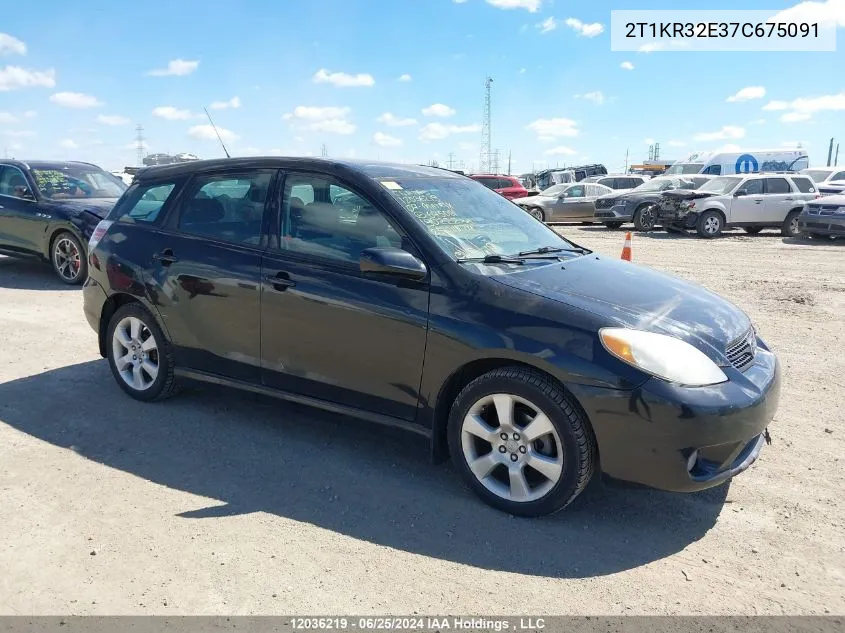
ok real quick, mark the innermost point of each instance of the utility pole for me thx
(836, 160)
(509, 162)
(451, 159)
(484, 158)
(830, 151)
(324, 150)
(626, 160)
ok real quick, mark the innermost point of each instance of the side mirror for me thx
(392, 261)
(741, 192)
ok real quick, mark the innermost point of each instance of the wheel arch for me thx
(464, 375)
(53, 231)
(116, 301)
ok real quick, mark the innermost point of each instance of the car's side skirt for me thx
(333, 407)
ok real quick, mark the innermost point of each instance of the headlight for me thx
(663, 356)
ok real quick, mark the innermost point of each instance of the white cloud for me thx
(674, 143)
(234, 102)
(11, 45)
(438, 109)
(404, 77)
(30, 114)
(727, 132)
(18, 133)
(385, 140)
(730, 147)
(343, 80)
(175, 68)
(206, 133)
(113, 119)
(550, 129)
(438, 131)
(747, 94)
(547, 25)
(459, 1)
(392, 120)
(585, 30)
(776, 105)
(530, 5)
(172, 114)
(795, 117)
(626, 66)
(75, 100)
(522, 71)
(561, 150)
(15, 77)
(827, 14)
(757, 122)
(650, 47)
(15, 147)
(68, 143)
(649, 141)
(312, 113)
(7, 118)
(596, 97)
(329, 119)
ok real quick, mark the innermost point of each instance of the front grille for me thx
(604, 203)
(741, 352)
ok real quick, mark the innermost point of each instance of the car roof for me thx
(45, 164)
(372, 169)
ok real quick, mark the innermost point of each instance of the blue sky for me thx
(401, 80)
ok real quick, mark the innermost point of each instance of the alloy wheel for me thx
(135, 353)
(648, 218)
(512, 447)
(67, 258)
(536, 213)
(793, 226)
(711, 225)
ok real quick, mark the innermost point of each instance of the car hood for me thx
(836, 200)
(535, 200)
(638, 297)
(99, 207)
(638, 196)
(687, 194)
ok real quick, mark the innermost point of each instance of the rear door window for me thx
(777, 186)
(804, 185)
(505, 183)
(490, 183)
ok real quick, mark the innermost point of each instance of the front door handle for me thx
(281, 281)
(758, 202)
(165, 257)
(789, 199)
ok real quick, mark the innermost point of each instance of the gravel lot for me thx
(222, 502)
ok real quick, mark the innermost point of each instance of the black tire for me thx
(613, 225)
(790, 224)
(710, 224)
(578, 446)
(537, 213)
(752, 230)
(645, 217)
(165, 384)
(69, 259)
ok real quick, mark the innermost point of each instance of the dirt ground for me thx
(222, 502)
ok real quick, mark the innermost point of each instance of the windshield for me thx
(77, 182)
(665, 184)
(685, 168)
(818, 175)
(468, 220)
(720, 186)
(554, 190)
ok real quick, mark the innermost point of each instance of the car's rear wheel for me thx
(790, 224)
(645, 217)
(752, 230)
(68, 258)
(520, 442)
(537, 212)
(139, 355)
(710, 224)
(613, 225)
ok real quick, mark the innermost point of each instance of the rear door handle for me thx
(789, 199)
(165, 257)
(281, 281)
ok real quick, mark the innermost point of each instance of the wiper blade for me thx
(491, 259)
(552, 249)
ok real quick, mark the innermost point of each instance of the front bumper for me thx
(685, 439)
(617, 213)
(675, 217)
(822, 224)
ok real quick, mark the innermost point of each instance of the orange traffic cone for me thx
(626, 250)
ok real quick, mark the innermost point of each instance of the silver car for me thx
(567, 202)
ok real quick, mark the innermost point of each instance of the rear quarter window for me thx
(804, 185)
(143, 202)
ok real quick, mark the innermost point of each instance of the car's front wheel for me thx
(537, 213)
(645, 218)
(520, 442)
(139, 355)
(710, 224)
(68, 258)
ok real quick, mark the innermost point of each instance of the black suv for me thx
(418, 298)
(50, 209)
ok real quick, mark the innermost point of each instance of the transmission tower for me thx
(494, 165)
(139, 140)
(324, 151)
(484, 159)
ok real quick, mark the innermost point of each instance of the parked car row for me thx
(411, 297)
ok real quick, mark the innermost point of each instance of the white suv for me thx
(752, 201)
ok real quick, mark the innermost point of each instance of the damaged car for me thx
(750, 201)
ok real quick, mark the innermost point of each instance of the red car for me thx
(508, 186)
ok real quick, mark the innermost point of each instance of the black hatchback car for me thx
(418, 298)
(49, 209)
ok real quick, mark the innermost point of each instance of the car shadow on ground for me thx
(258, 454)
(29, 273)
(811, 241)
